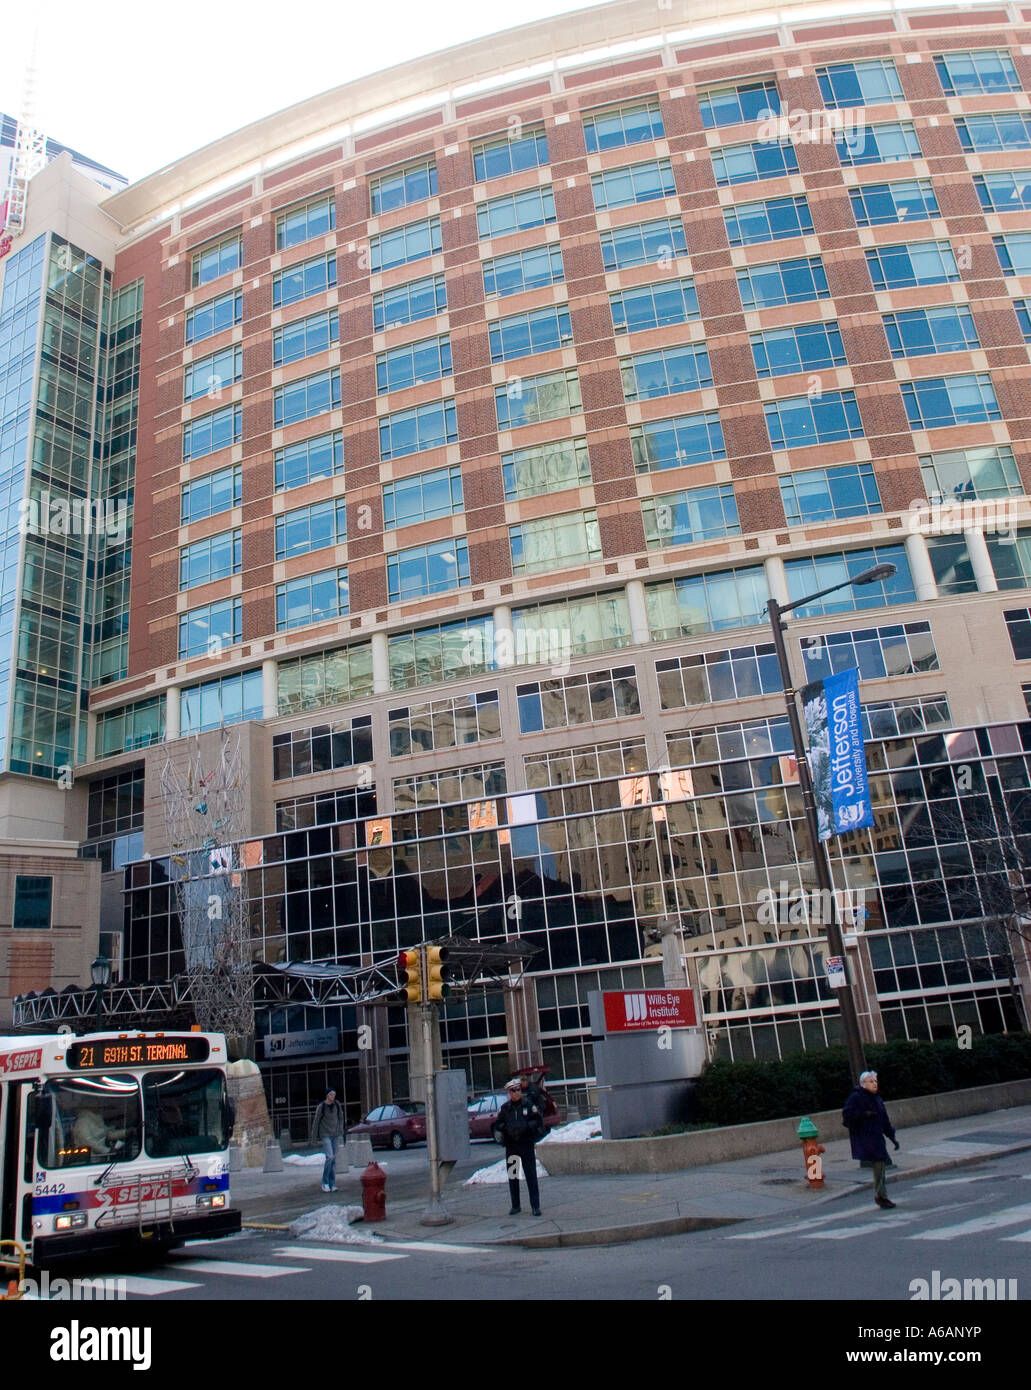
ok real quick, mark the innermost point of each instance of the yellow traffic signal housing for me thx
(437, 973)
(410, 963)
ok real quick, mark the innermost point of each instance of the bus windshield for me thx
(93, 1119)
(185, 1112)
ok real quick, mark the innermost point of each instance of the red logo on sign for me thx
(627, 1011)
(6, 243)
(21, 1061)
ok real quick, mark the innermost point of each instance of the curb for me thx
(617, 1235)
(678, 1225)
(685, 1225)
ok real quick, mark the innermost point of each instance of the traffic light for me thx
(410, 965)
(437, 973)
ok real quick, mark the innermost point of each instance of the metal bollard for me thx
(285, 1140)
(235, 1158)
(359, 1152)
(273, 1157)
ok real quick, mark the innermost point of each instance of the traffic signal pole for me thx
(435, 1214)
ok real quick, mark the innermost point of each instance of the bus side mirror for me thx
(39, 1111)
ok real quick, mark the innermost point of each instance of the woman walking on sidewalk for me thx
(867, 1122)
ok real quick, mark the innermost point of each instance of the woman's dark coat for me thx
(868, 1124)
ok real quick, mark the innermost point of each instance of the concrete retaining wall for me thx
(672, 1152)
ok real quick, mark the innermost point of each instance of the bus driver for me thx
(91, 1131)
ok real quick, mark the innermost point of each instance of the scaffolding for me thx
(203, 804)
(30, 155)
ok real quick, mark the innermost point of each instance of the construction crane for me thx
(30, 156)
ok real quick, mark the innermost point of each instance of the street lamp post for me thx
(821, 863)
(100, 971)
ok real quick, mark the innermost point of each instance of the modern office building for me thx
(465, 418)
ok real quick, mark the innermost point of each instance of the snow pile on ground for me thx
(574, 1133)
(332, 1224)
(498, 1172)
(307, 1160)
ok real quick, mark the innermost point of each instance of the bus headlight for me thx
(215, 1199)
(72, 1219)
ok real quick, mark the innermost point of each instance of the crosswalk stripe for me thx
(146, 1288)
(875, 1222)
(150, 1287)
(244, 1271)
(1024, 1235)
(804, 1224)
(953, 1182)
(345, 1254)
(434, 1247)
(991, 1221)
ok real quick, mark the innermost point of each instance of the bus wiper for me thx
(99, 1181)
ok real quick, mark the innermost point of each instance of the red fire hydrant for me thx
(374, 1193)
(811, 1151)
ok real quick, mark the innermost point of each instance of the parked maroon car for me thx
(483, 1114)
(392, 1126)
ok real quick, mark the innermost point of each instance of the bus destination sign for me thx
(137, 1052)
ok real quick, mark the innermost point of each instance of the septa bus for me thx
(113, 1142)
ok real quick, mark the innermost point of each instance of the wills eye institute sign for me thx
(626, 1012)
(832, 714)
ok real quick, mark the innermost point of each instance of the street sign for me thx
(304, 1044)
(836, 977)
(628, 1011)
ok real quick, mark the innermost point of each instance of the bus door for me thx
(10, 1117)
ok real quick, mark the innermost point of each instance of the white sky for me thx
(134, 84)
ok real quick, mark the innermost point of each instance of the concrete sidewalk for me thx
(602, 1209)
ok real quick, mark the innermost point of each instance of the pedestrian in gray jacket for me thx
(327, 1128)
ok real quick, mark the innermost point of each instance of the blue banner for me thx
(837, 760)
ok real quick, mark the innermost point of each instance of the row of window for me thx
(842, 85)
(685, 607)
(657, 242)
(931, 402)
(942, 329)
(572, 539)
(885, 142)
(703, 513)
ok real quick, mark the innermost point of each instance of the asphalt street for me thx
(975, 1224)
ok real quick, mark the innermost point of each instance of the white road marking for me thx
(345, 1253)
(991, 1221)
(875, 1222)
(147, 1288)
(434, 1247)
(802, 1225)
(235, 1267)
(1024, 1235)
(953, 1182)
